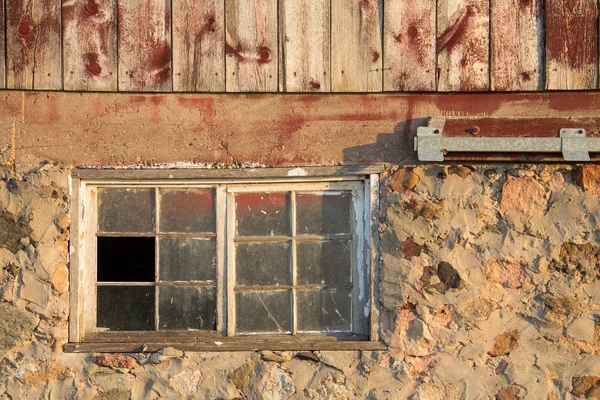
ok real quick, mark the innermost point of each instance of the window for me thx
(223, 263)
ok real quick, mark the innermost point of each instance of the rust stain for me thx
(315, 85)
(264, 55)
(93, 65)
(456, 32)
(236, 52)
(91, 7)
(525, 76)
(375, 56)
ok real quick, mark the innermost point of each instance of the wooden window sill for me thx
(136, 342)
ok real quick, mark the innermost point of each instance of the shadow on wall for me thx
(394, 148)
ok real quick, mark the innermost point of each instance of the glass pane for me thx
(261, 264)
(324, 310)
(326, 213)
(126, 308)
(264, 311)
(262, 214)
(186, 307)
(323, 262)
(187, 259)
(126, 210)
(187, 210)
(125, 259)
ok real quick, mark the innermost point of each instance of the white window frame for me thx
(83, 334)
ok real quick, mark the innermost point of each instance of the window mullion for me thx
(230, 263)
(220, 221)
(294, 266)
(156, 257)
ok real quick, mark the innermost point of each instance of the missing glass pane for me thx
(323, 214)
(261, 264)
(187, 259)
(183, 308)
(262, 214)
(125, 259)
(187, 210)
(126, 308)
(324, 262)
(324, 310)
(126, 210)
(264, 311)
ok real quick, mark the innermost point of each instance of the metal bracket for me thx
(431, 145)
(574, 145)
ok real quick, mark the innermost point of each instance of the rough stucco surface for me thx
(489, 288)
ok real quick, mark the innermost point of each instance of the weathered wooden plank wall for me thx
(33, 44)
(251, 46)
(356, 62)
(2, 47)
(305, 45)
(516, 43)
(299, 45)
(572, 44)
(90, 44)
(198, 45)
(144, 45)
(409, 45)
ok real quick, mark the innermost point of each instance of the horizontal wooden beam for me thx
(224, 346)
(94, 129)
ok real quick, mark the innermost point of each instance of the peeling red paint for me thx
(315, 85)
(232, 51)
(264, 55)
(375, 56)
(91, 7)
(456, 32)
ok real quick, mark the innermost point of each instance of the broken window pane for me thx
(264, 311)
(126, 308)
(326, 213)
(262, 214)
(126, 210)
(324, 310)
(323, 262)
(187, 307)
(125, 259)
(187, 259)
(262, 264)
(187, 210)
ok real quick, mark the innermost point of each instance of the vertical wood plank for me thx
(516, 44)
(571, 44)
(144, 45)
(356, 63)
(33, 43)
(251, 46)
(2, 48)
(463, 45)
(409, 45)
(90, 45)
(305, 45)
(198, 45)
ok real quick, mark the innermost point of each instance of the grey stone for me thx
(16, 326)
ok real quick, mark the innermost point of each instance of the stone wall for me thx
(489, 287)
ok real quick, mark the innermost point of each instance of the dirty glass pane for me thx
(126, 308)
(187, 259)
(323, 262)
(326, 213)
(262, 214)
(125, 259)
(187, 210)
(261, 264)
(126, 210)
(324, 310)
(264, 311)
(187, 307)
